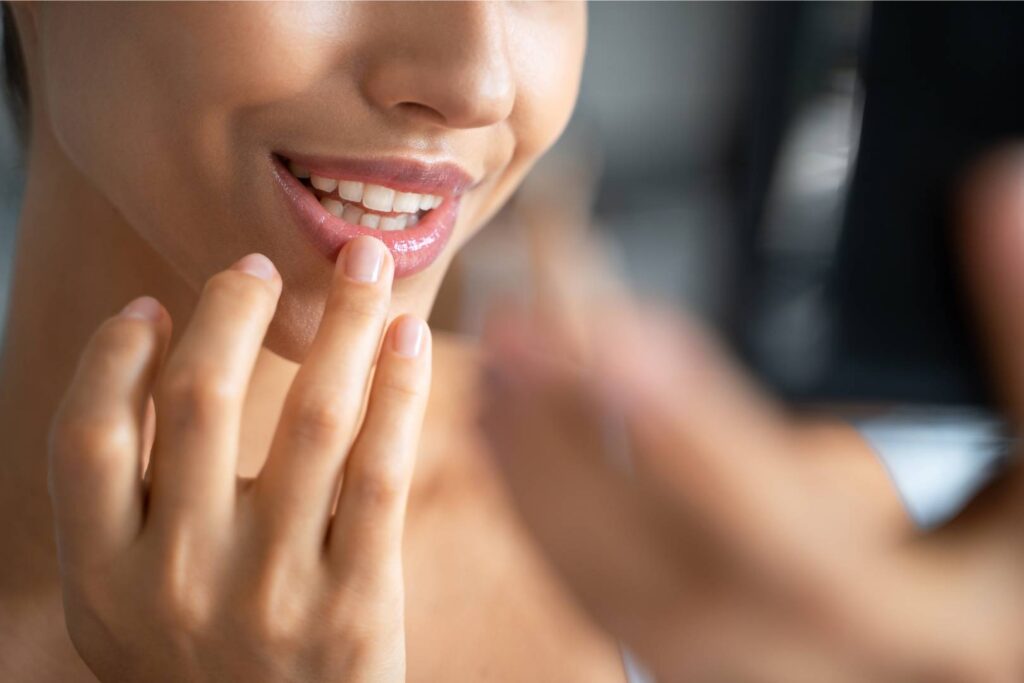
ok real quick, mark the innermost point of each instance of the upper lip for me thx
(403, 174)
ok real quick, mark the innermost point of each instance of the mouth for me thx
(408, 205)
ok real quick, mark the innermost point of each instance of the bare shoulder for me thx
(481, 603)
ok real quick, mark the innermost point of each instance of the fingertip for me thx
(366, 259)
(257, 265)
(410, 336)
(143, 308)
(150, 310)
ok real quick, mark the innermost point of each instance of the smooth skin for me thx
(148, 174)
(724, 554)
(200, 576)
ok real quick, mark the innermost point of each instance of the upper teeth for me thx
(372, 197)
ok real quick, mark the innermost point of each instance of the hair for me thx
(15, 78)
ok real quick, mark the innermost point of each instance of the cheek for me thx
(549, 67)
(548, 64)
(103, 104)
(156, 120)
(548, 46)
(164, 123)
(127, 121)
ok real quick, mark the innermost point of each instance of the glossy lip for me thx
(414, 248)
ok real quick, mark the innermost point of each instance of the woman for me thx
(167, 142)
(245, 166)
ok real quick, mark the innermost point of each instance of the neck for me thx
(76, 262)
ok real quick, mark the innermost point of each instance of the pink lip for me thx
(414, 248)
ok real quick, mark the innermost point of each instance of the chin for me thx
(292, 331)
(301, 307)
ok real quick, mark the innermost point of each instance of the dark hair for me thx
(15, 78)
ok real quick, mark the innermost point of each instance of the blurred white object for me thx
(938, 457)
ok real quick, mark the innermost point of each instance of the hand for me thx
(194, 575)
(718, 554)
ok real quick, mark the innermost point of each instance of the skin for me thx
(147, 175)
(733, 540)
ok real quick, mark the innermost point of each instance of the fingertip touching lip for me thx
(409, 205)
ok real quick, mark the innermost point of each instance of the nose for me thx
(447, 64)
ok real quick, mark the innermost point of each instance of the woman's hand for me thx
(717, 551)
(191, 574)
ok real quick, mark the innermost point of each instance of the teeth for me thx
(350, 190)
(393, 222)
(407, 202)
(321, 183)
(378, 198)
(374, 197)
(333, 206)
(352, 214)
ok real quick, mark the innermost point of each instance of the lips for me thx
(330, 211)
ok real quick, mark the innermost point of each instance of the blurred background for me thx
(788, 172)
(782, 169)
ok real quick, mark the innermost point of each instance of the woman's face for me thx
(197, 122)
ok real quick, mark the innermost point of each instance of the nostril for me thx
(420, 110)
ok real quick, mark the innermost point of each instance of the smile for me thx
(410, 206)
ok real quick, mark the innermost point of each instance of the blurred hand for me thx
(195, 575)
(688, 513)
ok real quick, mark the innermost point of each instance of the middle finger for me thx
(299, 481)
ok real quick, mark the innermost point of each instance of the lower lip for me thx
(413, 248)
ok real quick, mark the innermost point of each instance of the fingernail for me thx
(364, 259)
(143, 308)
(408, 337)
(256, 264)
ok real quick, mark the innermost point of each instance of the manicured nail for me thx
(364, 259)
(256, 264)
(408, 337)
(143, 308)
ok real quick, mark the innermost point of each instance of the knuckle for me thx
(361, 303)
(318, 417)
(243, 291)
(87, 441)
(271, 611)
(180, 600)
(381, 483)
(119, 338)
(181, 613)
(274, 622)
(198, 394)
(402, 387)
